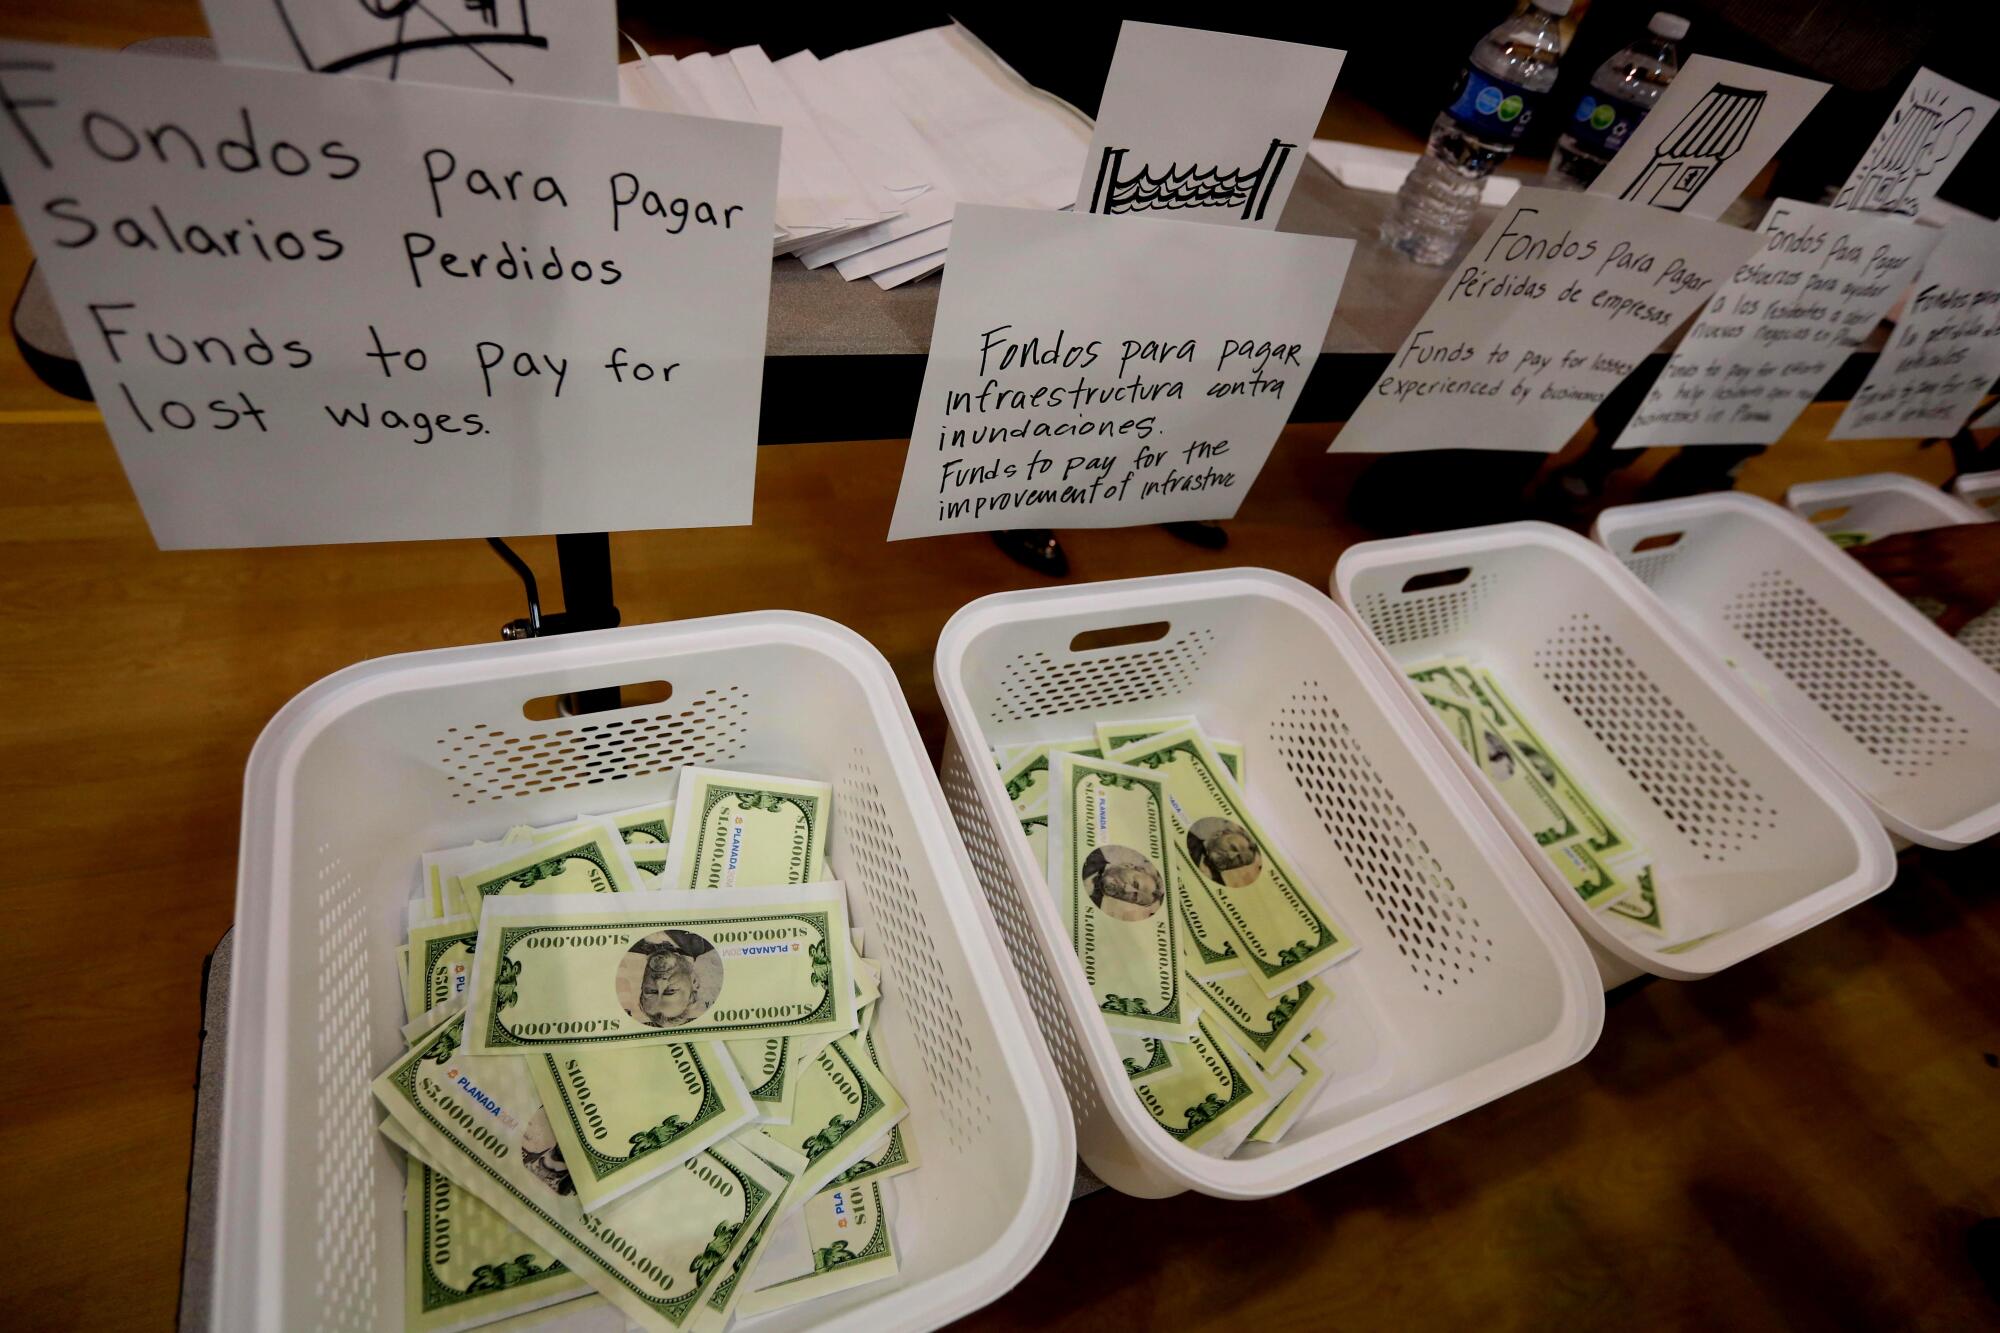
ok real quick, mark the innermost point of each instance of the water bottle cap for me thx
(1670, 26)
(1556, 7)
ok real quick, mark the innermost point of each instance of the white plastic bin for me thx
(361, 773)
(1752, 837)
(1900, 710)
(1468, 983)
(1884, 503)
(1879, 504)
(1978, 489)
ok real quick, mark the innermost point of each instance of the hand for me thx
(1959, 566)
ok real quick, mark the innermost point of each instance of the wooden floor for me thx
(1800, 1143)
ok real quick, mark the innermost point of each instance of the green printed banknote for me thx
(1141, 1056)
(1206, 1097)
(1035, 828)
(1280, 928)
(1026, 777)
(764, 851)
(844, 1106)
(626, 1117)
(889, 1155)
(463, 1264)
(440, 963)
(644, 825)
(1109, 866)
(1266, 1027)
(727, 1292)
(1517, 784)
(441, 869)
(1585, 848)
(566, 974)
(588, 859)
(1114, 735)
(1310, 1058)
(1600, 834)
(478, 1120)
(1642, 905)
(747, 830)
(845, 1243)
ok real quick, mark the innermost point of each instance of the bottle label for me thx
(1492, 108)
(1602, 124)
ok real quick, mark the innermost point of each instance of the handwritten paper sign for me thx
(557, 48)
(1945, 351)
(322, 310)
(1708, 136)
(1555, 304)
(1933, 124)
(1093, 372)
(1204, 126)
(1777, 332)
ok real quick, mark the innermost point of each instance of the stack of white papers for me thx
(883, 142)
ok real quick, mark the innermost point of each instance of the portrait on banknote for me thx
(542, 1157)
(1225, 851)
(1123, 883)
(669, 978)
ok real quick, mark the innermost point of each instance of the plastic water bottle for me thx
(1621, 93)
(1504, 84)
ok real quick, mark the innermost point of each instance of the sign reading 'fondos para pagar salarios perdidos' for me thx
(319, 309)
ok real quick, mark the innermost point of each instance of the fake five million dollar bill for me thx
(556, 974)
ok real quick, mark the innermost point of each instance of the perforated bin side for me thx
(1003, 894)
(1886, 503)
(1904, 714)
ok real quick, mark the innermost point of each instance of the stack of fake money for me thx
(1578, 834)
(642, 1061)
(1206, 951)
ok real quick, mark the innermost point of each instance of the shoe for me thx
(1037, 548)
(1205, 533)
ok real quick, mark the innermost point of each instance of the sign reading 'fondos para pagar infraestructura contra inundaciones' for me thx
(323, 309)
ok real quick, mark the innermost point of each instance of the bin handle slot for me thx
(1658, 541)
(1117, 636)
(635, 695)
(1830, 513)
(1437, 578)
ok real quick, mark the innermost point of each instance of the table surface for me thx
(1799, 1142)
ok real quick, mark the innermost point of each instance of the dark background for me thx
(1402, 58)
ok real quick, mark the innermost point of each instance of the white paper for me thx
(1777, 331)
(1945, 352)
(1383, 170)
(1933, 124)
(1204, 126)
(1006, 141)
(1090, 345)
(1708, 136)
(565, 49)
(908, 271)
(1557, 302)
(1986, 420)
(563, 444)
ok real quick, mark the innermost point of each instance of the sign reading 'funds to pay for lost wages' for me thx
(1556, 304)
(319, 309)
(1095, 372)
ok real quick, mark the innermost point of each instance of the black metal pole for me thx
(584, 559)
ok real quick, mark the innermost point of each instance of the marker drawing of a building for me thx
(1713, 131)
